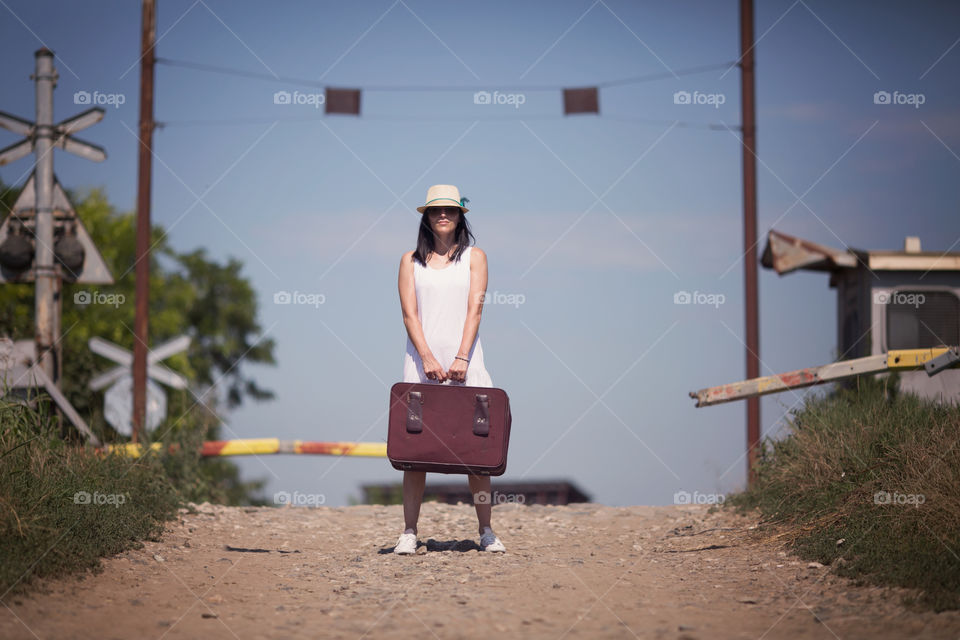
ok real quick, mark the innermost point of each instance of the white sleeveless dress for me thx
(442, 296)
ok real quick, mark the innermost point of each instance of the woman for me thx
(442, 284)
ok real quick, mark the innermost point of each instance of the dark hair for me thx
(425, 240)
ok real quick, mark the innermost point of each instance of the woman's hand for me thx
(433, 370)
(458, 370)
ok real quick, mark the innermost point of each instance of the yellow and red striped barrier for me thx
(266, 446)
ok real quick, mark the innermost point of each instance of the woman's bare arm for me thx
(411, 320)
(408, 306)
(478, 288)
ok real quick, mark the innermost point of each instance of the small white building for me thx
(886, 300)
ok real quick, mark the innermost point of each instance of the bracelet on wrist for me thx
(461, 358)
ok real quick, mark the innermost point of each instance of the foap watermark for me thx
(298, 297)
(892, 497)
(297, 499)
(712, 99)
(315, 100)
(698, 297)
(485, 497)
(84, 298)
(98, 98)
(97, 498)
(899, 298)
(496, 297)
(485, 97)
(685, 497)
(911, 99)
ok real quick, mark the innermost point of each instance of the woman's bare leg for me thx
(480, 484)
(413, 483)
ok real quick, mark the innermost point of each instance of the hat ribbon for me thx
(460, 203)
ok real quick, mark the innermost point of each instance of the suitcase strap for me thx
(414, 412)
(481, 413)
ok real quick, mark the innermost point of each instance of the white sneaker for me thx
(407, 544)
(490, 542)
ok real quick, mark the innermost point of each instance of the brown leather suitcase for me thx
(448, 428)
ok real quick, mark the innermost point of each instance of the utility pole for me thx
(47, 289)
(750, 229)
(142, 305)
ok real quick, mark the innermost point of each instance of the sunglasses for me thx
(449, 211)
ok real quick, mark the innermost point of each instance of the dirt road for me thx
(581, 571)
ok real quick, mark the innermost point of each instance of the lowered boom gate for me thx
(932, 360)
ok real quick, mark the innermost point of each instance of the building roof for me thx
(571, 491)
(785, 253)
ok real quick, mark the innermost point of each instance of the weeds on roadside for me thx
(64, 505)
(868, 481)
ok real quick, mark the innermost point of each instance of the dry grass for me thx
(819, 485)
(64, 506)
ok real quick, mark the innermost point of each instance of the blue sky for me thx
(596, 221)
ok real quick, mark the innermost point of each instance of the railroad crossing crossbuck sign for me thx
(117, 401)
(61, 136)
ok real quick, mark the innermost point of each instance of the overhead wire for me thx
(209, 68)
(305, 82)
(445, 118)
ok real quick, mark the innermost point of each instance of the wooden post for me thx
(750, 229)
(142, 303)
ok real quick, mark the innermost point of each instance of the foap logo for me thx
(911, 99)
(97, 498)
(97, 98)
(685, 497)
(297, 499)
(892, 497)
(497, 297)
(315, 100)
(513, 99)
(899, 298)
(299, 297)
(85, 298)
(485, 497)
(711, 99)
(698, 297)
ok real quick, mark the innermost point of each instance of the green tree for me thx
(190, 294)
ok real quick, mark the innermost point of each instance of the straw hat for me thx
(444, 195)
